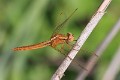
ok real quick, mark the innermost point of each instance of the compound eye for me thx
(70, 37)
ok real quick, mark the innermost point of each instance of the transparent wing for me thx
(60, 26)
(65, 53)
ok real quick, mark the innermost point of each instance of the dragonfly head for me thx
(70, 37)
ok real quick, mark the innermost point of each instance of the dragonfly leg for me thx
(63, 49)
(69, 45)
(60, 51)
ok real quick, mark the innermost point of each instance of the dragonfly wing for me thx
(65, 54)
(60, 26)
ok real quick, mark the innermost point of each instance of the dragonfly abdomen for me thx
(35, 46)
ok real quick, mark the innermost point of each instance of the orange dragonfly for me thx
(55, 39)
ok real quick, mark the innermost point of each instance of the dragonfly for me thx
(56, 38)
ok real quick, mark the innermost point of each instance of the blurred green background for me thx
(24, 22)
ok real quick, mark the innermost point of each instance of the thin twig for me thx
(84, 35)
(92, 61)
(113, 68)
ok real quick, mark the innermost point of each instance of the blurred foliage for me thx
(24, 22)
